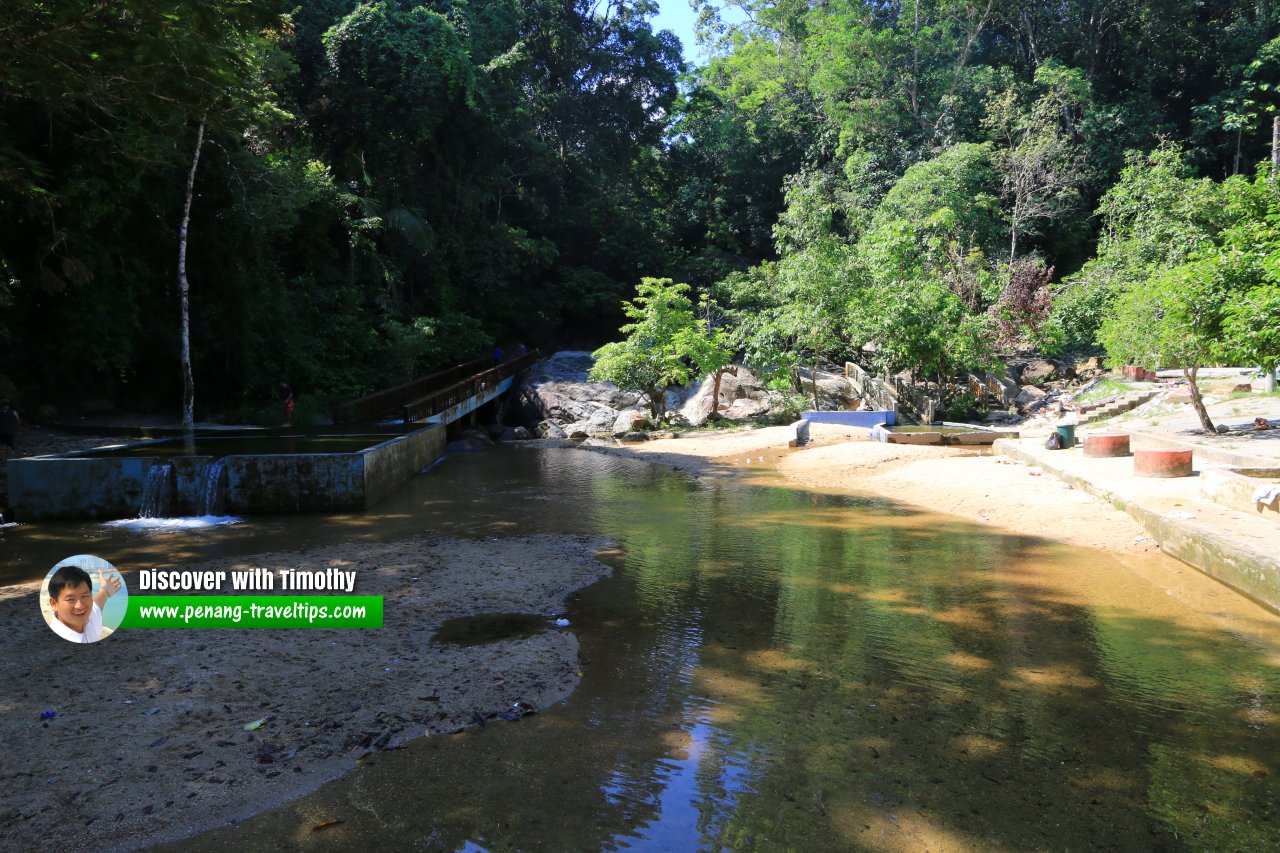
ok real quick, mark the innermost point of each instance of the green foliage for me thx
(961, 407)
(661, 339)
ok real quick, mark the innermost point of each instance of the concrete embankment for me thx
(1238, 548)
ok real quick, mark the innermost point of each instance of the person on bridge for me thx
(497, 355)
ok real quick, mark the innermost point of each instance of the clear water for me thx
(945, 430)
(770, 669)
(245, 446)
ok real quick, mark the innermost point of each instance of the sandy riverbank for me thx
(968, 482)
(149, 740)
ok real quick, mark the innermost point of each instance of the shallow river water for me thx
(772, 669)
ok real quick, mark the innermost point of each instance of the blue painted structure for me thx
(869, 419)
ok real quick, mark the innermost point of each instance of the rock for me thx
(557, 389)
(579, 434)
(508, 434)
(746, 408)
(662, 433)
(459, 446)
(995, 417)
(835, 392)
(1222, 428)
(597, 422)
(478, 438)
(1029, 394)
(697, 407)
(1179, 395)
(520, 434)
(550, 429)
(634, 436)
(675, 419)
(1038, 370)
(630, 421)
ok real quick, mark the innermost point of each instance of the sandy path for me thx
(149, 740)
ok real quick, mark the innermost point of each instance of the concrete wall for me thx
(311, 482)
(77, 486)
(390, 464)
(1235, 488)
(70, 487)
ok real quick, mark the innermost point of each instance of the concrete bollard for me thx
(801, 428)
(1106, 444)
(1149, 462)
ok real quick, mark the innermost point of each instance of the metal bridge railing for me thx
(474, 386)
(380, 403)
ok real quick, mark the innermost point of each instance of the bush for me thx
(785, 410)
(962, 407)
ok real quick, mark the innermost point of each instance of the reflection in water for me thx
(774, 669)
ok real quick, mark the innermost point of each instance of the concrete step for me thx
(1127, 403)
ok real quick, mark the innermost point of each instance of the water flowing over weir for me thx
(213, 491)
(157, 493)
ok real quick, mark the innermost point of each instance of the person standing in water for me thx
(10, 426)
(286, 400)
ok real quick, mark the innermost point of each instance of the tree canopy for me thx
(386, 187)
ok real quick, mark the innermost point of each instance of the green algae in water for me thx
(489, 628)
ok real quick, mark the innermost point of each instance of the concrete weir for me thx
(109, 482)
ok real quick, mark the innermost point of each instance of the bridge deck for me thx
(441, 397)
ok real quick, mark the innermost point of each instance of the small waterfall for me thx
(213, 493)
(157, 493)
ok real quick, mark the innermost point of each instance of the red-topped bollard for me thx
(1106, 444)
(1149, 462)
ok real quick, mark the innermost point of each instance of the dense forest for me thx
(379, 188)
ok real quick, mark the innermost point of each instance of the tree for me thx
(710, 347)
(1041, 169)
(1155, 217)
(1173, 319)
(926, 281)
(656, 352)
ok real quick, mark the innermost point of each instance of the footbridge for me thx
(442, 397)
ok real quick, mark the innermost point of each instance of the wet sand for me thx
(328, 697)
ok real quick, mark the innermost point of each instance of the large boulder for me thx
(1029, 394)
(746, 408)
(696, 408)
(557, 389)
(1038, 371)
(630, 421)
(597, 420)
(834, 389)
(550, 429)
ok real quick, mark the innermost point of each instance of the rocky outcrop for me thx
(558, 399)
(557, 396)
(742, 395)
